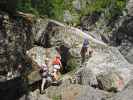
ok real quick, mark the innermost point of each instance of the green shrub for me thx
(72, 64)
(56, 98)
(58, 9)
(55, 8)
(110, 8)
(25, 6)
(52, 8)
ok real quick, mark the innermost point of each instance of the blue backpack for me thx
(86, 43)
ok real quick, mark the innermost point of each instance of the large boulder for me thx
(76, 92)
(126, 94)
(109, 67)
(110, 82)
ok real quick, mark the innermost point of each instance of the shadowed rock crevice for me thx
(65, 56)
(123, 37)
(44, 40)
(12, 89)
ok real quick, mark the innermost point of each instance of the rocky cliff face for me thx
(107, 69)
(123, 34)
(15, 38)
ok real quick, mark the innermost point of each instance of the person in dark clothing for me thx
(65, 56)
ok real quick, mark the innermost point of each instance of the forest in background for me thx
(55, 8)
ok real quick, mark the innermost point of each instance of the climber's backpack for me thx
(41, 71)
(86, 43)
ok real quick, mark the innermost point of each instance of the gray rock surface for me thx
(77, 92)
(129, 7)
(126, 94)
(126, 49)
(67, 16)
(123, 37)
(15, 38)
(102, 63)
(110, 82)
(35, 95)
(88, 93)
(85, 77)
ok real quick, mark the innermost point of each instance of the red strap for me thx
(57, 61)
